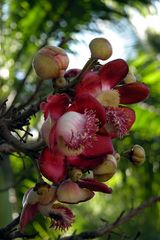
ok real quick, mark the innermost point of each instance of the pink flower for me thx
(119, 120)
(77, 130)
(47, 199)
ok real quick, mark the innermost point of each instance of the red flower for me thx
(55, 166)
(43, 199)
(119, 120)
(103, 85)
(76, 130)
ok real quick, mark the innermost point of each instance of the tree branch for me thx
(26, 148)
(107, 229)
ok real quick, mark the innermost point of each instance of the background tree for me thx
(27, 26)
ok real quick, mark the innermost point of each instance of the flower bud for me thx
(70, 192)
(100, 48)
(130, 78)
(50, 62)
(61, 82)
(117, 157)
(106, 169)
(72, 73)
(137, 155)
(75, 174)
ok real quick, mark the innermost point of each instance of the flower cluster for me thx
(78, 130)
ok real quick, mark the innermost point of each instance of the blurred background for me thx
(133, 28)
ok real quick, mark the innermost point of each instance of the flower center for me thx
(117, 121)
(62, 217)
(109, 98)
(75, 130)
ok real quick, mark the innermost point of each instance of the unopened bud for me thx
(72, 73)
(61, 82)
(117, 157)
(130, 78)
(100, 48)
(137, 155)
(106, 169)
(50, 62)
(75, 174)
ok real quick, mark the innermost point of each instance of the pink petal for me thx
(28, 213)
(46, 129)
(62, 217)
(133, 93)
(94, 185)
(84, 163)
(90, 84)
(113, 73)
(87, 102)
(101, 146)
(70, 192)
(119, 121)
(56, 105)
(52, 166)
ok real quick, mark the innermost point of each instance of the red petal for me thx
(52, 165)
(70, 192)
(101, 146)
(56, 105)
(112, 73)
(130, 115)
(84, 163)
(87, 102)
(90, 84)
(52, 138)
(28, 213)
(94, 185)
(133, 93)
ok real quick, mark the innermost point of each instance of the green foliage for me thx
(29, 25)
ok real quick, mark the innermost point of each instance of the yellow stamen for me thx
(109, 98)
(68, 151)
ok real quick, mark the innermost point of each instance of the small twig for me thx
(10, 226)
(137, 236)
(107, 229)
(19, 234)
(5, 147)
(26, 148)
(32, 97)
